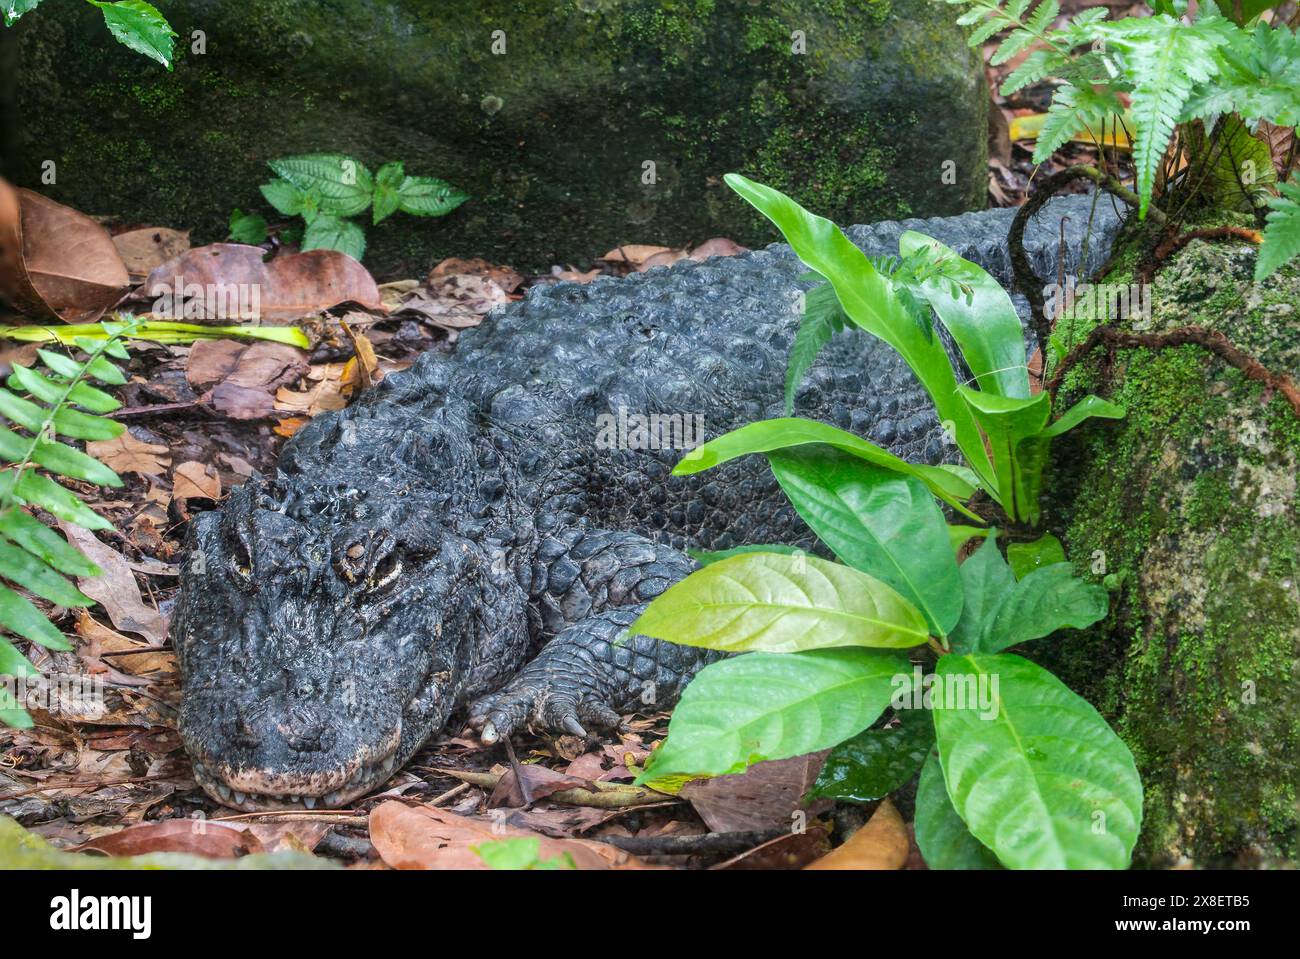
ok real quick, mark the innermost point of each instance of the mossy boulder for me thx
(882, 116)
(1189, 508)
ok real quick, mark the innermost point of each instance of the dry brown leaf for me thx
(248, 391)
(881, 844)
(425, 837)
(142, 659)
(143, 250)
(55, 262)
(289, 287)
(574, 276)
(455, 302)
(634, 254)
(290, 425)
(199, 837)
(717, 246)
(126, 454)
(325, 395)
(764, 796)
(115, 588)
(194, 480)
(503, 276)
(666, 258)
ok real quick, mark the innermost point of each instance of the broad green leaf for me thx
(521, 853)
(876, 762)
(83, 426)
(943, 838)
(19, 616)
(1044, 601)
(332, 233)
(986, 580)
(705, 557)
(763, 706)
(987, 328)
(13, 9)
(777, 434)
(823, 317)
(1027, 557)
(140, 27)
(32, 574)
(869, 301)
(426, 196)
(1007, 421)
(39, 540)
(38, 490)
(959, 535)
(880, 522)
(1087, 408)
(778, 603)
(14, 663)
(11, 714)
(343, 185)
(1043, 781)
(285, 197)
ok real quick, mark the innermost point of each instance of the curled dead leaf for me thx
(281, 290)
(56, 263)
(881, 844)
(126, 454)
(196, 836)
(143, 250)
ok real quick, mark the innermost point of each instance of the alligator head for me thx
(322, 635)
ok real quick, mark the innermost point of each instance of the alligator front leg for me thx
(593, 586)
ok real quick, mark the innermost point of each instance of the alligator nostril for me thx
(244, 733)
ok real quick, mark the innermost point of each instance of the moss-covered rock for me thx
(1189, 506)
(551, 136)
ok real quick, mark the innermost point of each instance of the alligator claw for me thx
(571, 725)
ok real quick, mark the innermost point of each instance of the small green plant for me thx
(521, 853)
(1202, 85)
(1015, 768)
(327, 188)
(39, 407)
(136, 24)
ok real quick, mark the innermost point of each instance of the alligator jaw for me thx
(253, 790)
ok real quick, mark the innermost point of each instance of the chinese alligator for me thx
(472, 536)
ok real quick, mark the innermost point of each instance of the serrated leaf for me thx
(942, 837)
(343, 185)
(1044, 782)
(20, 617)
(37, 538)
(876, 762)
(332, 233)
(247, 228)
(763, 706)
(427, 196)
(388, 181)
(822, 319)
(285, 197)
(140, 27)
(781, 603)
(879, 522)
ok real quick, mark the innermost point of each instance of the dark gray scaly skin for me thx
(459, 541)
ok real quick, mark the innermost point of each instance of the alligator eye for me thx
(240, 562)
(385, 573)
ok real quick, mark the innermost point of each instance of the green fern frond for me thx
(1165, 60)
(1281, 232)
(1258, 78)
(1073, 109)
(1027, 27)
(37, 408)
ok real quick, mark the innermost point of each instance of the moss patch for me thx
(1189, 504)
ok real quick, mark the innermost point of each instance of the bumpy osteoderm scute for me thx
(413, 550)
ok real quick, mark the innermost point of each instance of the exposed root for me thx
(1213, 340)
(1172, 244)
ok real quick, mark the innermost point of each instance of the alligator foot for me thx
(586, 678)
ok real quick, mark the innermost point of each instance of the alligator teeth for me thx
(389, 763)
(294, 799)
(223, 791)
(332, 799)
(239, 798)
(309, 802)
